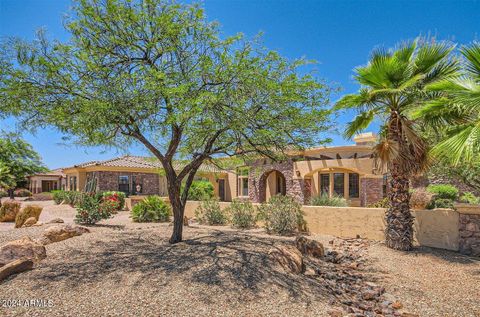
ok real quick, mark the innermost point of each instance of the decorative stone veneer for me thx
(371, 190)
(107, 181)
(257, 180)
(469, 227)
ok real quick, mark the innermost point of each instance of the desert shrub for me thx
(9, 210)
(443, 191)
(90, 210)
(443, 203)
(3, 194)
(27, 212)
(420, 198)
(325, 200)
(74, 198)
(151, 209)
(117, 197)
(200, 190)
(22, 192)
(210, 213)
(282, 215)
(242, 214)
(58, 196)
(470, 198)
(382, 203)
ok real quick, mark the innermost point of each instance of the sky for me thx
(339, 35)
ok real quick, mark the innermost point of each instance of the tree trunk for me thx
(178, 212)
(11, 193)
(399, 231)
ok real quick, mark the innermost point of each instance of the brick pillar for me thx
(371, 190)
(469, 229)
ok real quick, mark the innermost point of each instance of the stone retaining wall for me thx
(469, 229)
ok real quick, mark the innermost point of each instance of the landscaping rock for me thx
(289, 257)
(56, 220)
(24, 248)
(29, 222)
(309, 247)
(38, 224)
(14, 267)
(62, 232)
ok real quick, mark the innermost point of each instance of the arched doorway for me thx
(272, 183)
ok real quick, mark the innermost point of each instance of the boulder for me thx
(29, 222)
(309, 247)
(24, 248)
(62, 232)
(56, 220)
(289, 257)
(14, 267)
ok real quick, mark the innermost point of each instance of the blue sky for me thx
(338, 34)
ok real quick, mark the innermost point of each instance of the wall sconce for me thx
(298, 173)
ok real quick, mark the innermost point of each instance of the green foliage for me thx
(443, 203)
(282, 215)
(151, 209)
(22, 192)
(382, 203)
(201, 190)
(117, 197)
(443, 191)
(9, 210)
(17, 159)
(470, 198)
(90, 209)
(59, 196)
(27, 212)
(326, 200)
(242, 214)
(3, 194)
(210, 213)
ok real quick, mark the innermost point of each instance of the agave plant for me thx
(392, 86)
(458, 109)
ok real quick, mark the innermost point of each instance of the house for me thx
(348, 171)
(46, 182)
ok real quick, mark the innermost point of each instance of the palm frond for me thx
(360, 123)
(472, 54)
(353, 101)
(461, 147)
(429, 55)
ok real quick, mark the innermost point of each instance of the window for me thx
(353, 185)
(72, 183)
(243, 182)
(123, 184)
(136, 182)
(338, 184)
(325, 184)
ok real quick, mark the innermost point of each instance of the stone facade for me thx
(259, 172)
(371, 190)
(107, 181)
(469, 227)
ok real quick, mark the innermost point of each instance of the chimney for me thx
(367, 138)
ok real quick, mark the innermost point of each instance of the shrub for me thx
(443, 203)
(242, 214)
(282, 215)
(443, 191)
(325, 200)
(420, 198)
(200, 190)
(22, 192)
(74, 198)
(383, 203)
(9, 210)
(27, 212)
(90, 210)
(210, 213)
(470, 198)
(58, 196)
(118, 197)
(3, 194)
(151, 209)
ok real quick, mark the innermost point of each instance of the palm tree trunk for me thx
(399, 231)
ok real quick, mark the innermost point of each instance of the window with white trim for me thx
(243, 182)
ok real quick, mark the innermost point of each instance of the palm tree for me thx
(457, 107)
(392, 85)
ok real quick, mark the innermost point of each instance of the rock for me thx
(60, 233)
(38, 224)
(369, 294)
(185, 221)
(23, 248)
(409, 315)
(335, 313)
(29, 222)
(56, 220)
(288, 257)
(14, 267)
(397, 305)
(309, 247)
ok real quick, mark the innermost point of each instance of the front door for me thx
(221, 189)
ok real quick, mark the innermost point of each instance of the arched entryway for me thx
(272, 183)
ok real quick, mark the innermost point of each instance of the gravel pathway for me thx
(127, 269)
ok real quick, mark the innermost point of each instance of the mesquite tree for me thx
(159, 73)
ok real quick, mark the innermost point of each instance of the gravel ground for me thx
(127, 269)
